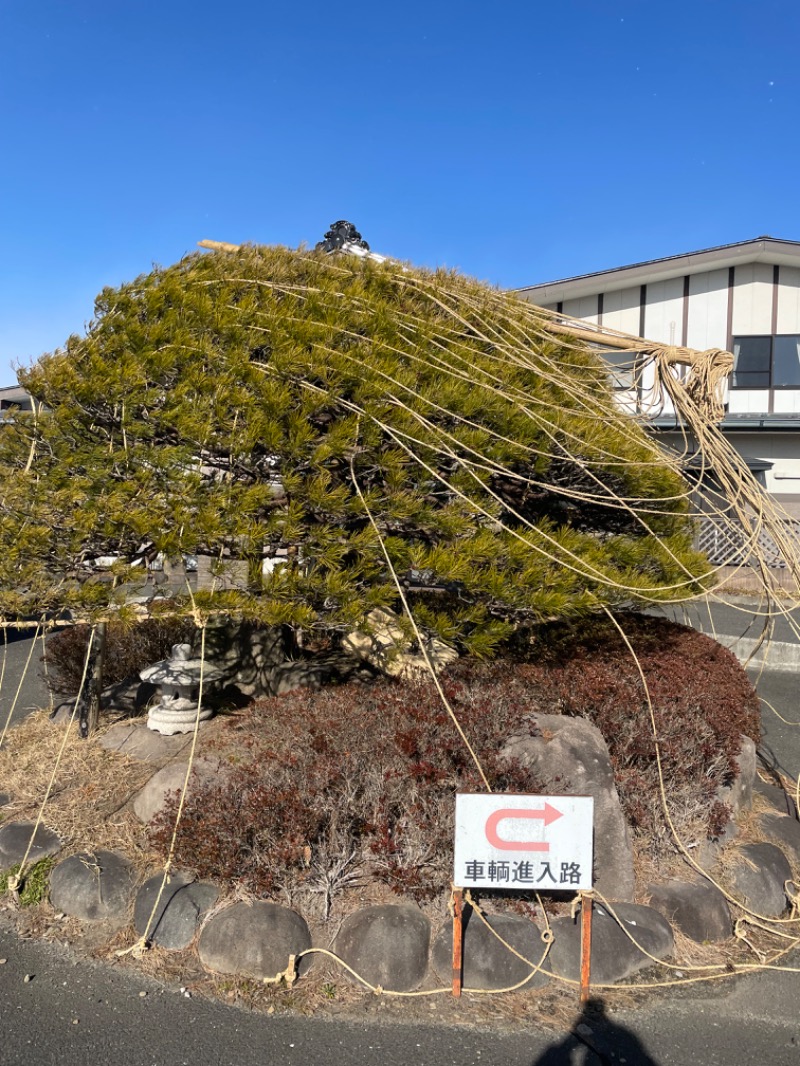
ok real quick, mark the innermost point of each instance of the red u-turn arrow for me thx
(547, 814)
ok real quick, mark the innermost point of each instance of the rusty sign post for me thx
(587, 906)
(458, 939)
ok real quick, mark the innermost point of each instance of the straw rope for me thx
(144, 940)
(15, 881)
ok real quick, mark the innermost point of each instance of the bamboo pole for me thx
(219, 246)
(458, 940)
(608, 340)
(622, 341)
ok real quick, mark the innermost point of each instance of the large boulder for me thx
(316, 671)
(738, 793)
(247, 654)
(93, 886)
(614, 954)
(386, 945)
(783, 831)
(383, 644)
(697, 908)
(182, 904)
(263, 661)
(486, 961)
(572, 750)
(759, 876)
(14, 840)
(254, 939)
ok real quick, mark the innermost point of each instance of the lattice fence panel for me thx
(727, 544)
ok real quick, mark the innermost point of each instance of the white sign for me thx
(524, 842)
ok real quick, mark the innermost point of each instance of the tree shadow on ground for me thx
(595, 1040)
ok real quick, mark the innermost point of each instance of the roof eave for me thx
(770, 249)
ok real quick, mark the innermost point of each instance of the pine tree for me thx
(335, 411)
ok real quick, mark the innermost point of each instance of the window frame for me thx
(770, 371)
(623, 373)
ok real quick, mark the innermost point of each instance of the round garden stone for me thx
(759, 876)
(386, 945)
(153, 797)
(697, 908)
(614, 955)
(783, 831)
(93, 886)
(255, 939)
(487, 963)
(14, 839)
(739, 793)
(183, 903)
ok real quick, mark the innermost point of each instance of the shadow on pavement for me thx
(595, 1040)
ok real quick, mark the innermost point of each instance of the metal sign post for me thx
(587, 906)
(458, 939)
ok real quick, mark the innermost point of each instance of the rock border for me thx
(395, 947)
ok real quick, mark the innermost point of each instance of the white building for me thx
(13, 398)
(743, 298)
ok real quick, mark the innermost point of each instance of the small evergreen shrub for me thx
(323, 786)
(129, 648)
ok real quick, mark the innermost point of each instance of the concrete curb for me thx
(773, 655)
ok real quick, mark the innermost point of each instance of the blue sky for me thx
(519, 142)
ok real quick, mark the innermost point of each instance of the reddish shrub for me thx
(347, 778)
(324, 785)
(128, 649)
(702, 704)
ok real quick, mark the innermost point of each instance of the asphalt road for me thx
(22, 672)
(72, 1012)
(780, 699)
(741, 617)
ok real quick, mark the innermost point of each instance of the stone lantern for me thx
(179, 680)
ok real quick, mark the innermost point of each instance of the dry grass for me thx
(688, 953)
(88, 805)
(651, 866)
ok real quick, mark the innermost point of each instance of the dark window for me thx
(766, 362)
(622, 365)
(752, 357)
(786, 362)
